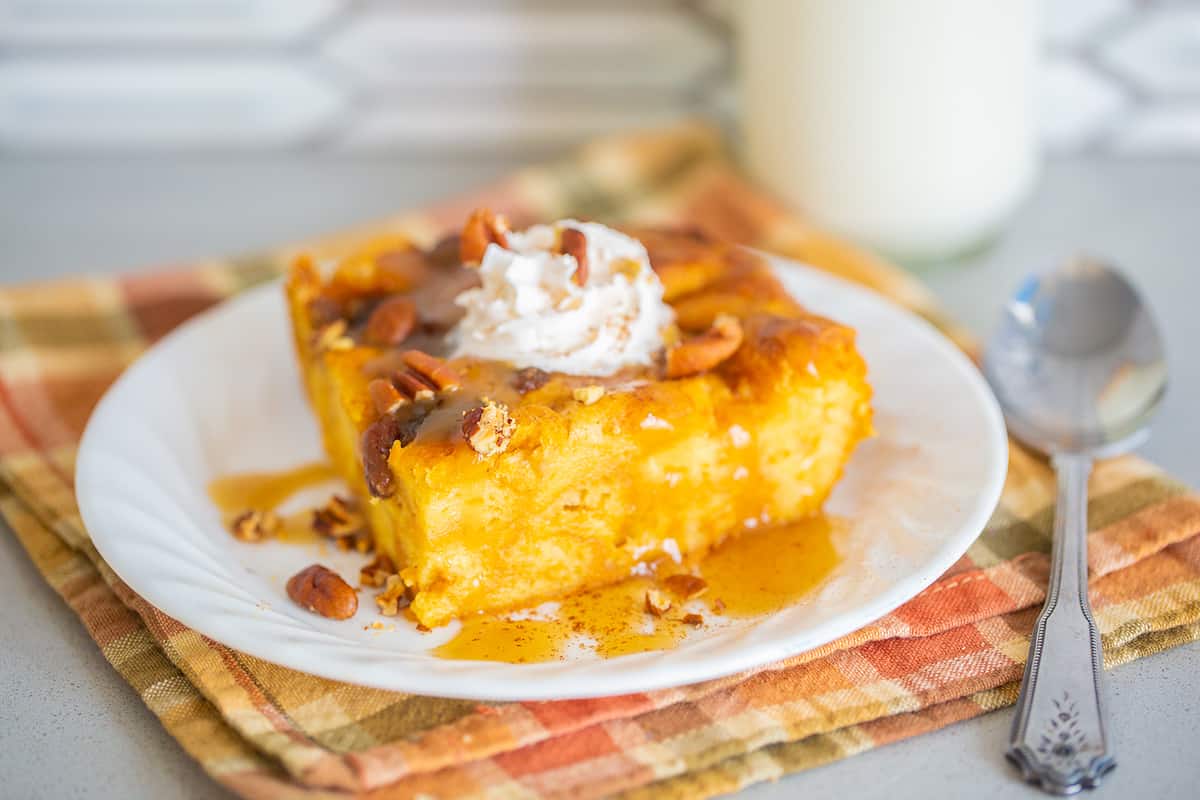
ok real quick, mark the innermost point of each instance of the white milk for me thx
(906, 124)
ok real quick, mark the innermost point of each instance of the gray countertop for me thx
(70, 727)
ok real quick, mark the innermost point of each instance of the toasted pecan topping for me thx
(402, 269)
(482, 228)
(488, 428)
(657, 603)
(394, 597)
(377, 571)
(574, 243)
(705, 351)
(695, 620)
(385, 396)
(685, 586)
(254, 526)
(322, 591)
(339, 518)
(323, 310)
(445, 253)
(528, 379)
(391, 322)
(376, 446)
(434, 370)
(414, 385)
(588, 394)
(377, 441)
(333, 337)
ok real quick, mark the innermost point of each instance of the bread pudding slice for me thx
(494, 485)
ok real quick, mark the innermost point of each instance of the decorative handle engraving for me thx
(1058, 739)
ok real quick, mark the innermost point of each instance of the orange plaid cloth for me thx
(954, 651)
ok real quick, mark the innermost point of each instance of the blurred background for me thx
(474, 77)
(333, 111)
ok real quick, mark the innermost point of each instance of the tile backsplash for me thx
(463, 76)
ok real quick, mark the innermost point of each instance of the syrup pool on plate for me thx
(757, 573)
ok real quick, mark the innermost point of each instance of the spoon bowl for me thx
(1077, 362)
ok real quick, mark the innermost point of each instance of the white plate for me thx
(221, 395)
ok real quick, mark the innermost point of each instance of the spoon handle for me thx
(1058, 739)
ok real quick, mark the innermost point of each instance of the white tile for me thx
(1072, 22)
(566, 45)
(101, 22)
(1076, 104)
(1161, 52)
(469, 127)
(156, 103)
(1161, 131)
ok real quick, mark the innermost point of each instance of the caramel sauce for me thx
(265, 491)
(757, 573)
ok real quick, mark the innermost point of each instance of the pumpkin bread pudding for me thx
(525, 414)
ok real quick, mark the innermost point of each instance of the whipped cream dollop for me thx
(530, 312)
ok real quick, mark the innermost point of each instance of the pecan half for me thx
(445, 253)
(322, 591)
(377, 441)
(434, 370)
(707, 350)
(391, 322)
(574, 243)
(254, 526)
(413, 385)
(400, 270)
(482, 228)
(385, 396)
(488, 428)
(376, 445)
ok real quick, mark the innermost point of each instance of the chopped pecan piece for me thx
(488, 428)
(701, 353)
(385, 396)
(322, 591)
(573, 243)
(434, 370)
(333, 337)
(657, 603)
(338, 519)
(377, 571)
(391, 322)
(254, 526)
(394, 597)
(530, 378)
(685, 586)
(482, 228)
(695, 620)
(587, 394)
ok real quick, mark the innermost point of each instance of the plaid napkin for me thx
(953, 652)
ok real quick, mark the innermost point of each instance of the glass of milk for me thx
(904, 124)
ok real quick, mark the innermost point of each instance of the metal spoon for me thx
(1079, 368)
